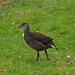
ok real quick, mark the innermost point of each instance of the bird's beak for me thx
(20, 26)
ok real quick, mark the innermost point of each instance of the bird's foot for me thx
(48, 59)
(37, 60)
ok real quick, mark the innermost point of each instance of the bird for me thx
(37, 40)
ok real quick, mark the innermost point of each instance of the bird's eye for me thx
(23, 25)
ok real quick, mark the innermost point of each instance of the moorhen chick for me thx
(37, 40)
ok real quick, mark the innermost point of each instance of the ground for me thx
(53, 18)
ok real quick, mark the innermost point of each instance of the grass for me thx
(54, 18)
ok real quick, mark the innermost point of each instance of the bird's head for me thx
(24, 25)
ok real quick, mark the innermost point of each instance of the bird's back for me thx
(41, 38)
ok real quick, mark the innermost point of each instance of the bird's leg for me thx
(47, 55)
(37, 56)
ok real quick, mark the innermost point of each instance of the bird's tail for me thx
(53, 46)
(57, 49)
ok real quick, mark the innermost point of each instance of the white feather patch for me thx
(53, 46)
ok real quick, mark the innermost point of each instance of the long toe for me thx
(37, 60)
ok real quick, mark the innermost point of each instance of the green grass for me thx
(54, 18)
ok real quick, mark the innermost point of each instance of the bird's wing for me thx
(41, 38)
(35, 44)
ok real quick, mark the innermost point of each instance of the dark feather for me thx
(37, 40)
(41, 38)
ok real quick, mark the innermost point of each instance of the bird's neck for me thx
(27, 31)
